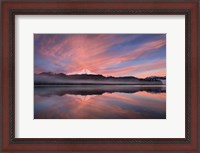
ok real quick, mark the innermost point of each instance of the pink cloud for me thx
(88, 52)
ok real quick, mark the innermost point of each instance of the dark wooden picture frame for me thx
(10, 143)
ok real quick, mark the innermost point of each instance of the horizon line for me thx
(97, 74)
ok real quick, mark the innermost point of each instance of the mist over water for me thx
(100, 102)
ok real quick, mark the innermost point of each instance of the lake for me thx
(100, 102)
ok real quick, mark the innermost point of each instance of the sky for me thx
(139, 55)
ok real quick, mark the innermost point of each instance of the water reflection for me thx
(100, 102)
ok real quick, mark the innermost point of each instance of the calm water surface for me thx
(100, 102)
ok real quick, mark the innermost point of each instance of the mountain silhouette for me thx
(49, 78)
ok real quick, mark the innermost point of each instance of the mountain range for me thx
(49, 78)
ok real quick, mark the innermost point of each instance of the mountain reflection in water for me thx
(100, 102)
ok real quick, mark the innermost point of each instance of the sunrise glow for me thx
(139, 55)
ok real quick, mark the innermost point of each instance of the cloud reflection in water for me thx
(68, 103)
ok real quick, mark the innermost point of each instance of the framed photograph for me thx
(100, 76)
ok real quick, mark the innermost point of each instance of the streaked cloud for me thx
(138, 55)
